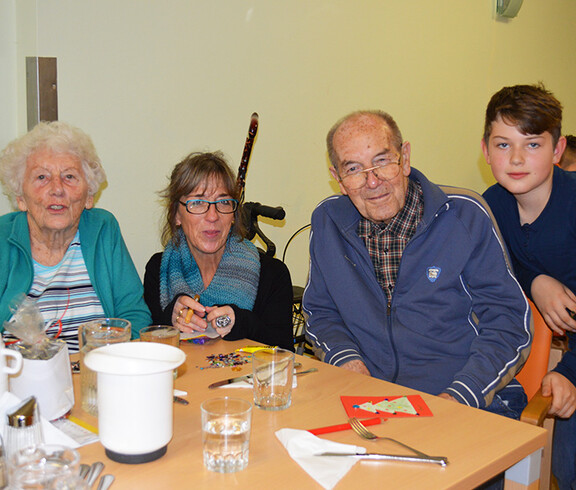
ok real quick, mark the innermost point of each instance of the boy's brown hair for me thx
(532, 108)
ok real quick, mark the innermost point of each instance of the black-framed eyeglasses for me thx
(355, 177)
(201, 206)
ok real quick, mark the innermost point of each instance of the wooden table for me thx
(478, 444)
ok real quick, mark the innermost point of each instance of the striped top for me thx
(65, 295)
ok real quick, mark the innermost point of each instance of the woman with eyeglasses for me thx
(208, 273)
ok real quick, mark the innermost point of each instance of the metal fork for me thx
(366, 434)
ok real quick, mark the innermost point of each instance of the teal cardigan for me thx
(111, 270)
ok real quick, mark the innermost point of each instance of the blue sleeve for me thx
(504, 332)
(567, 365)
(325, 328)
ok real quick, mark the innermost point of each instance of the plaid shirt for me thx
(386, 242)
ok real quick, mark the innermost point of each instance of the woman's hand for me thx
(188, 315)
(552, 299)
(223, 315)
(563, 394)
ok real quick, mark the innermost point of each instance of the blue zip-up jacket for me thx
(111, 270)
(458, 321)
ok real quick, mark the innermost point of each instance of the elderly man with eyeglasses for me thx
(410, 281)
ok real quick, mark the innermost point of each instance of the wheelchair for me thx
(251, 212)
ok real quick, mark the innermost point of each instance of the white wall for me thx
(151, 81)
(8, 112)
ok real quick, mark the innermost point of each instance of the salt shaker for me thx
(23, 428)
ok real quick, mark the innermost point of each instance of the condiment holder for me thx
(135, 398)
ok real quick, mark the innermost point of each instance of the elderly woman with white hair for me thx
(58, 249)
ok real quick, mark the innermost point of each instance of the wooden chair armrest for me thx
(537, 409)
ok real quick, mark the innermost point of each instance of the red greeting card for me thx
(385, 406)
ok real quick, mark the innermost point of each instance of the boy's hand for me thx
(553, 299)
(563, 394)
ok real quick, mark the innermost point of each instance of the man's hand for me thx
(563, 394)
(356, 366)
(446, 396)
(552, 298)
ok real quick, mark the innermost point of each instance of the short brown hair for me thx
(532, 108)
(387, 118)
(194, 172)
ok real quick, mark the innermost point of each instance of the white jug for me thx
(49, 380)
(7, 368)
(135, 398)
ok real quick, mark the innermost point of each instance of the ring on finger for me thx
(179, 314)
(223, 321)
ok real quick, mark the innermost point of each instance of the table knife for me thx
(441, 460)
(248, 377)
(228, 381)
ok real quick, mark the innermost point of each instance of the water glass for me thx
(92, 335)
(162, 334)
(226, 434)
(43, 466)
(273, 371)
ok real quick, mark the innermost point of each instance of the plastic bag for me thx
(27, 324)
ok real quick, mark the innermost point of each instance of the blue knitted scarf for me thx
(235, 282)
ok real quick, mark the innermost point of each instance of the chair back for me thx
(537, 363)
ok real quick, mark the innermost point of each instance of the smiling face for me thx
(522, 163)
(54, 193)
(363, 141)
(206, 233)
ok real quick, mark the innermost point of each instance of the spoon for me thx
(94, 473)
(84, 468)
(105, 482)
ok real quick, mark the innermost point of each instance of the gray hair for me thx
(59, 137)
(387, 118)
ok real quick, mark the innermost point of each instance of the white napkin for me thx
(250, 384)
(326, 470)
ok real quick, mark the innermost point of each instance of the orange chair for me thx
(537, 365)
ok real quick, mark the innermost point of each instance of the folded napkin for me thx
(326, 470)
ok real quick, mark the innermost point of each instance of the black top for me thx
(270, 320)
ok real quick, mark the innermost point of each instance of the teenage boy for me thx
(534, 203)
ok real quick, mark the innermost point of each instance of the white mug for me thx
(6, 369)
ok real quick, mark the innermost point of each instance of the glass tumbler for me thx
(92, 335)
(43, 466)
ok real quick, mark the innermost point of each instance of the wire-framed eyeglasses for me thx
(201, 206)
(355, 177)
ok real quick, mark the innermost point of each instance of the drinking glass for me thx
(162, 334)
(92, 335)
(42, 466)
(226, 434)
(273, 370)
